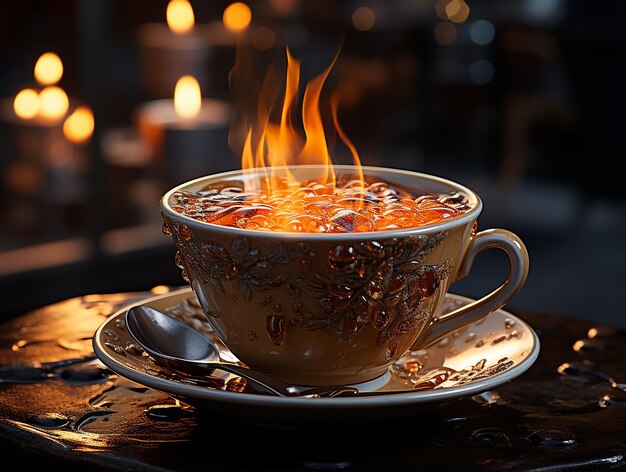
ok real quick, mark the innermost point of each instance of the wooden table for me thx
(61, 409)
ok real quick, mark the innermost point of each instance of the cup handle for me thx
(497, 238)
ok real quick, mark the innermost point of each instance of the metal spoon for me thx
(170, 339)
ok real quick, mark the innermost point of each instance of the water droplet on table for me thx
(552, 438)
(84, 375)
(165, 412)
(492, 437)
(50, 421)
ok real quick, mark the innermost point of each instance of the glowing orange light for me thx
(364, 18)
(440, 8)
(237, 16)
(187, 97)
(78, 127)
(53, 103)
(457, 11)
(445, 33)
(26, 104)
(263, 38)
(284, 7)
(180, 17)
(48, 69)
(159, 289)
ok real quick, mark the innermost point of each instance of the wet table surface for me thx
(62, 409)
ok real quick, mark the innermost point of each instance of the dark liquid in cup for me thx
(345, 207)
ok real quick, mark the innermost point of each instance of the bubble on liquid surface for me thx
(347, 206)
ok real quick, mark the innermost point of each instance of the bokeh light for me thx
(481, 72)
(187, 97)
(53, 103)
(48, 69)
(284, 7)
(180, 17)
(445, 33)
(263, 38)
(237, 16)
(364, 18)
(456, 11)
(482, 32)
(26, 104)
(79, 126)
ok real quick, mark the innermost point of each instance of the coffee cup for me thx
(336, 308)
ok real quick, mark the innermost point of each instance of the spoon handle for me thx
(265, 383)
(260, 380)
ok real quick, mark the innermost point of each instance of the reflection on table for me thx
(59, 401)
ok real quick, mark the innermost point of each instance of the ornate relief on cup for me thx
(212, 263)
(380, 284)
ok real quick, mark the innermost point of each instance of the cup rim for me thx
(470, 215)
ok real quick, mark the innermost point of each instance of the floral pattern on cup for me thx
(381, 284)
(240, 262)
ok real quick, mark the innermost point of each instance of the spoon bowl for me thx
(169, 339)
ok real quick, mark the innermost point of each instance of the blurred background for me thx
(520, 100)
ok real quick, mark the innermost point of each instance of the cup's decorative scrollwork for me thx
(381, 284)
(213, 263)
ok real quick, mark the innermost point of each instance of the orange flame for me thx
(334, 105)
(272, 145)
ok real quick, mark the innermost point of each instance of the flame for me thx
(334, 105)
(187, 97)
(180, 18)
(48, 69)
(53, 103)
(270, 145)
(26, 104)
(78, 127)
(237, 16)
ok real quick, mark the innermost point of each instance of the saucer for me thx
(472, 360)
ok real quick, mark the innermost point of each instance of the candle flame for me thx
(187, 97)
(26, 104)
(53, 103)
(180, 17)
(79, 126)
(237, 16)
(48, 69)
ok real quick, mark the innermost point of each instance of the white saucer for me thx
(472, 360)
